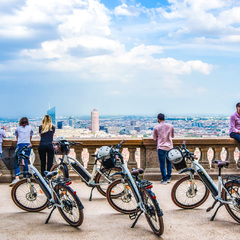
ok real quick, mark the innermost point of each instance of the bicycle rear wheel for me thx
(121, 198)
(233, 193)
(72, 210)
(189, 193)
(153, 213)
(29, 196)
(103, 180)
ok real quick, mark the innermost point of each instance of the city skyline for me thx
(123, 57)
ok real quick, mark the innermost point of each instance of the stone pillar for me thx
(217, 156)
(91, 160)
(204, 159)
(230, 157)
(37, 162)
(143, 158)
(78, 150)
(132, 161)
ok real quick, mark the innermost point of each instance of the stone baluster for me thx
(91, 160)
(217, 156)
(230, 157)
(143, 158)
(132, 161)
(37, 162)
(204, 159)
(78, 151)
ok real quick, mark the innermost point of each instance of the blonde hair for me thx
(46, 124)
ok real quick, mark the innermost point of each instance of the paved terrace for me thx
(103, 222)
(147, 158)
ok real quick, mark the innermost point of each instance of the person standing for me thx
(2, 135)
(163, 134)
(45, 149)
(24, 135)
(234, 130)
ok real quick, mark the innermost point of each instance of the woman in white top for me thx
(23, 134)
(2, 135)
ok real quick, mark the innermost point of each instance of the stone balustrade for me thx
(141, 152)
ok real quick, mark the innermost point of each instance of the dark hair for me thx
(23, 122)
(238, 105)
(161, 116)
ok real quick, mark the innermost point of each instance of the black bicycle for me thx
(34, 193)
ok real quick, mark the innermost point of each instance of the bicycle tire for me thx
(99, 179)
(233, 189)
(121, 197)
(24, 199)
(62, 170)
(153, 212)
(183, 185)
(71, 202)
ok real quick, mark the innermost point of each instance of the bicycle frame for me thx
(83, 172)
(216, 190)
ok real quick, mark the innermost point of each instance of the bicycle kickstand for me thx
(212, 218)
(50, 215)
(133, 225)
(90, 198)
(210, 208)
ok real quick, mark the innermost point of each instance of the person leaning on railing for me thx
(234, 130)
(2, 135)
(24, 135)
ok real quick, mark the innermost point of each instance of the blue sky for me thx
(137, 57)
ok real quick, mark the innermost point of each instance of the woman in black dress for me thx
(45, 149)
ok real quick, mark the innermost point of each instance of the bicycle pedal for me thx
(132, 216)
(50, 205)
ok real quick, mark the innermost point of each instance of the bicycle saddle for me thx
(49, 175)
(135, 172)
(221, 163)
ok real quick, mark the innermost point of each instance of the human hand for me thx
(4, 127)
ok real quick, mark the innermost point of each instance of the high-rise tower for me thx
(95, 120)
(52, 113)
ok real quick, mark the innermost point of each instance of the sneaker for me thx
(13, 182)
(169, 180)
(0, 174)
(163, 182)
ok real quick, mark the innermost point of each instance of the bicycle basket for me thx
(175, 156)
(61, 148)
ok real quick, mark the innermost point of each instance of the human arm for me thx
(172, 132)
(154, 134)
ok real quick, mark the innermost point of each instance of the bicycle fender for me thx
(74, 192)
(187, 170)
(159, 211)
(117, 173)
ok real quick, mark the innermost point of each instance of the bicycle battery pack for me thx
(82, 171)
(43, 187)
(208, 183)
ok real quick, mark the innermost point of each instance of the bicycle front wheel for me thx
(103, 180)
(153, 213)
(121, 198)
(62, 170)
(29, 195)
(72, 209)
(233, 197)
(189, 193)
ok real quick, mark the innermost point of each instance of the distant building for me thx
(52, 113)
(60, 125)
(71, 121)
(133, 123)
(95, 120)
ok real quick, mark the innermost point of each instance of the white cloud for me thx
(125, 10)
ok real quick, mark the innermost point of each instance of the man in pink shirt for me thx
(234, 129)
(163, 134)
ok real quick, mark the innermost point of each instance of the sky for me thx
(127, 57)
